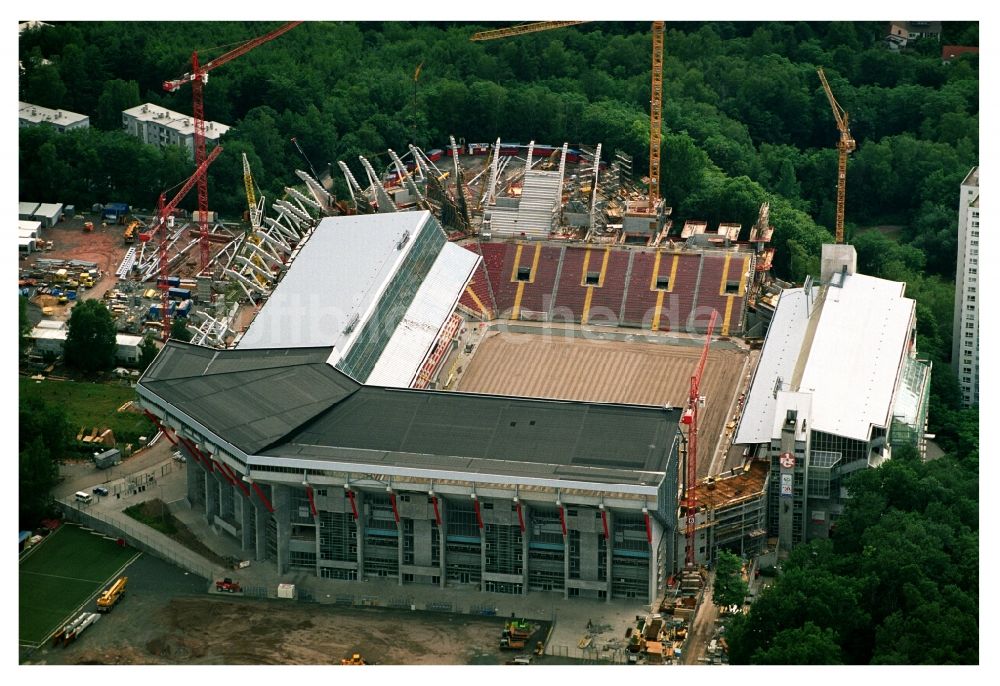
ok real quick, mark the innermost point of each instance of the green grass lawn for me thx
(60, 574)
(92, 405)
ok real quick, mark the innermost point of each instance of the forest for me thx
(897, 583)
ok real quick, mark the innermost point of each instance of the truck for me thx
(227, 585)
(111, 596)
(510, 643)
(518, 628)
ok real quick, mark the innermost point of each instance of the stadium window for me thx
(487, 506)
(732, 287)
(662, 283)
(593, 279)
(321, 492)
(524, 273)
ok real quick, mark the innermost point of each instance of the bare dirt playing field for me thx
(554, 366)
(167, 617)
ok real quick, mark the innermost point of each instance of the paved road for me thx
(704, 627)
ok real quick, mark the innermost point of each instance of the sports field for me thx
(60, 575)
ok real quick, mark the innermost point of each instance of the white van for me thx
(84, 497)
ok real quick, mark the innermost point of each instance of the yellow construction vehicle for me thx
(129, 234)
(111, 596)
(354, 659)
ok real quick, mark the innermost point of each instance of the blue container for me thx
(180, 293)
(71, 295)
(174, 281)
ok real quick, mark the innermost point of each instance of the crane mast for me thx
(845, 146)
(690, 418)
(164, 211)
(198, 77)
(656, 92)
(655, 115)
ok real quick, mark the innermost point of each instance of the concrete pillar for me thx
(422, 541)
(482, 556)
(443, 542)
(195, 474)
(525, 537)
(610, 555)
(247, 524)
(316, 522)
(786, 476)
(281, 501)
(566, 559)
(359, 501)
(260, 528)
(399, 551)
(211, 497)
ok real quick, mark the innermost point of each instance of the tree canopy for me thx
(745, 118)
(91, 342)
(897, 583)
(43, 434)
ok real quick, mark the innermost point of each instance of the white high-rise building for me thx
(965, 345)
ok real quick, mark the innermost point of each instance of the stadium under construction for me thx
(486, 383)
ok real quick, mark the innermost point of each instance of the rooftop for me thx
(181, 123)
(846, 349)
(36, 114)
(288, 406)
(325, 300)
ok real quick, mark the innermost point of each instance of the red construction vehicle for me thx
(227, 585)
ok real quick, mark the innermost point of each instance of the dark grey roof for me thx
(305, 408)
(494, 427)
(250, 398)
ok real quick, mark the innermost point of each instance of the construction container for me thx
(184, 309)
(286, 590)
(180, 293)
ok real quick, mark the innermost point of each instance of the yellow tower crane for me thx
(845, 146)
(656, 93)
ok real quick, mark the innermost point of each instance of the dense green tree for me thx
(147, 352)
(23, 323)
(179, 330)
(37, 474)
(729, 588)
(117, 95)
(805, 645)
(91, 337)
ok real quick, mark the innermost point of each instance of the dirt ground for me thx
(167, 617)
(555, 366)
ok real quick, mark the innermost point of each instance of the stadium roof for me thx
(288, 406)
(339, 276)
(434, 301)
(847, 351)
(339, 272)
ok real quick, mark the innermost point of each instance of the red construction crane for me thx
(690, 418)
(163, 212)
(198, 77)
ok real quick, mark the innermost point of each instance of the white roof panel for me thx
(339, 273)
(433, 303)
(856, 355)
(852, 362)
(777, 359)
(49, 209)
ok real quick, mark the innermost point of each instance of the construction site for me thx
(524, 378)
